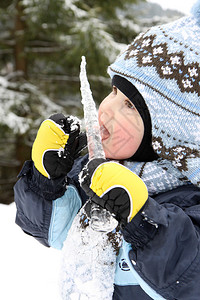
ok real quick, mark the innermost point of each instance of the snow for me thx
(74, 122)
(96, 30)
(29, 270)
(33, 103)
(79, 13)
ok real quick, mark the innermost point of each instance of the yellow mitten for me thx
(114, 187)
(57, 144)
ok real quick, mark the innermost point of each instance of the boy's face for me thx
(121, 126)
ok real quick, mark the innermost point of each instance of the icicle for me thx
(95, 147)
(89, 262)
(101, 219)
(90, 255)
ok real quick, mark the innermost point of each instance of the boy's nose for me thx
(107, 119)
(108, 109)
(104, 117)
(107, 114)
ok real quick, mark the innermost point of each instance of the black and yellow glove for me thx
(57, 144)
(114, 187)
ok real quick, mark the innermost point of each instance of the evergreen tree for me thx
(41, 44)
(49, 37)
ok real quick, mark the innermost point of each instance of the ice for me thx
(89, 262)
(100, 221)
(90, 116)
(89, 252)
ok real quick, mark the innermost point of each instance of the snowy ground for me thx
(28, 270)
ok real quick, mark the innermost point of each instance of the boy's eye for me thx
(114, 90)
(129, 104)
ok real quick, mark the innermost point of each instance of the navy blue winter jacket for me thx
(160, 258)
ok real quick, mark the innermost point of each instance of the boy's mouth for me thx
(104, 133)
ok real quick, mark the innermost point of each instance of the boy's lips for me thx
(104, 133)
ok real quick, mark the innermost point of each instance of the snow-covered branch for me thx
(23, 106)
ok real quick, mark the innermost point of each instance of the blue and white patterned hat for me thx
(164, 65)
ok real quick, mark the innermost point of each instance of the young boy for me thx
(155, 101)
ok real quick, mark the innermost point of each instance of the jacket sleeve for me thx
(165, 244)
(45, 207)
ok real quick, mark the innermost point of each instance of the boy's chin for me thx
(118, 153)
(116, 156)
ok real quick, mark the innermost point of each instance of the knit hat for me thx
(164, 66)
(145, 151)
